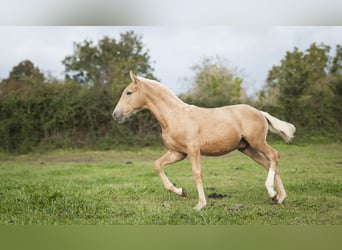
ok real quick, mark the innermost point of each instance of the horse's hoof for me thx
(278, 199)
(199, 207)
(184, 192)
(275, 200)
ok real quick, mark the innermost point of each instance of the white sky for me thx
(173, 49)
(174, 12)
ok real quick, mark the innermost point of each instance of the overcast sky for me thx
(173, 49)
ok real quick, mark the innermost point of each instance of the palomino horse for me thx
(188, 130)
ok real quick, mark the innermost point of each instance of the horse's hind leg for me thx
(168, 158)
(273, 176)
(281, 190)
(256, 156)
(262, 160)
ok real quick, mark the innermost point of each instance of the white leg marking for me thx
(270, 183)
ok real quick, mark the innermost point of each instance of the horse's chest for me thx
(174, 141)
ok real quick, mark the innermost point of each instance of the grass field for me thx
(121, 187)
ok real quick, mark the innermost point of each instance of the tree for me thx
(336, 83)
(302, 86)
(214, 83)
(104, 66)
(37, 110)
(21, 79)
(109, 61)
(26, 70)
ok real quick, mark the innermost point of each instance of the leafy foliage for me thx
(36, 111)
(214, 84)
(306, 88)
(108, 61)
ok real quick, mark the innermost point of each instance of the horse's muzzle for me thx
(118, 116)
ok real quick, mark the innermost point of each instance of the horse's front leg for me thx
(195, 158)
(168, 158)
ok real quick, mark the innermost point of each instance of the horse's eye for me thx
(129, 93)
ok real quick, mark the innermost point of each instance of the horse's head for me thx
(132, 100)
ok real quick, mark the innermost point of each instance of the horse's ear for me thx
(134, 78)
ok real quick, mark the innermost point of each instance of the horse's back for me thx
(236, 115)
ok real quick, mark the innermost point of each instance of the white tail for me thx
(285, 129)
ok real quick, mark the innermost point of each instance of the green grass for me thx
(121, 187)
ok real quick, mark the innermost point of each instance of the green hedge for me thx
(68, 115)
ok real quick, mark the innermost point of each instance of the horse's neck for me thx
(163, 104)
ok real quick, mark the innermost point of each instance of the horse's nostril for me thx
(117, 115)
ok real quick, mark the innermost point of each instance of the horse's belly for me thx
(220, 146)
(216, 150)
